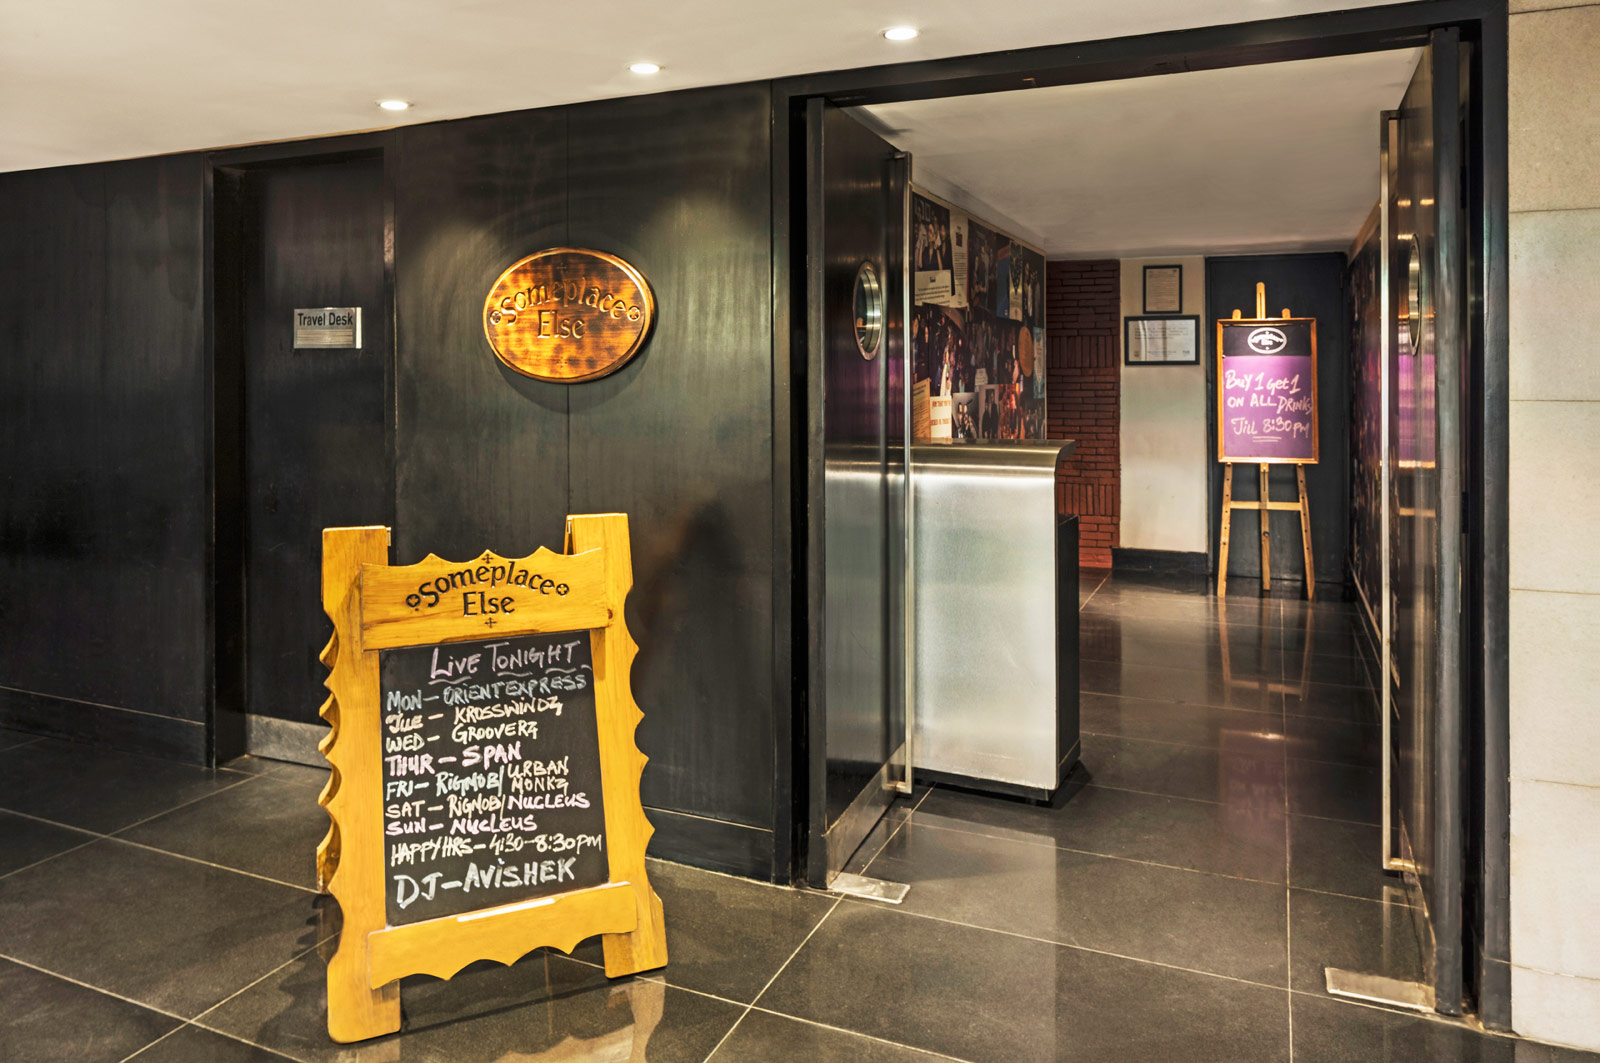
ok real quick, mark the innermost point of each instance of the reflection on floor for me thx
(1178, 905)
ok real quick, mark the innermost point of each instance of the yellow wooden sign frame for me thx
(375, 606)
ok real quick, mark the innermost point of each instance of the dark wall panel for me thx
(481, 452)
(103, 517)
(681, 438)
(1310, 285)
(316, 450)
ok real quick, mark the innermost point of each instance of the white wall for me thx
(1555, 515)
(1164, 459)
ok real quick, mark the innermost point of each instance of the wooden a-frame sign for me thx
(440, 606)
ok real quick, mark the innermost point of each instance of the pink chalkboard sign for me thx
(1267, 390)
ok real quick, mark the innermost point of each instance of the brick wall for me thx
(1084, 304)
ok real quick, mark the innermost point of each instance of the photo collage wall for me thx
(977, 330)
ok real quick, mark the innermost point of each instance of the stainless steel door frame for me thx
(855, 186)
(1426, 581)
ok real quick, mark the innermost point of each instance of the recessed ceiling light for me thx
(901, 33)
(645, 68)
(394, 105)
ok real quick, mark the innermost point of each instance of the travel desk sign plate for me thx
(1267, 390)
(484, 798)
(327, 328)
(567, 315)
(491, 774)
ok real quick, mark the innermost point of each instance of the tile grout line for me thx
(724, 1038)
(296, 958)
(1084, 948)
(219, 867)
(193, 801)
(774, 978)
(896, 832)
(857, 1033)
(158, 1040)
(52, 856)
(1215, 749)
(1101, 856)
(796, 952)
(1085, 603)
(128, 826)
(85, 985)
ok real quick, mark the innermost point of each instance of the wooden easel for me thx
(1264, 505)
(374, 607)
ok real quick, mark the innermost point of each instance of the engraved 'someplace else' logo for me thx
(568, 314)
(1267, 340)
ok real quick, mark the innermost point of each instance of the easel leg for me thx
(628, 832)
(353, 856)
(1227, 522)
(1305, 532)
(1266, 535)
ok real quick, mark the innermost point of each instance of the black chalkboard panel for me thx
(491, 774)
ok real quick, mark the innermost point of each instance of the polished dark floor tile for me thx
(47, 1019)
(163, 931)
(1239, 658)
(1333, 741)
(1322, 637)
(770, 1038)
(252, 765)
(1348, 704)
(545, 1006)
(10, 739)
(1327, 669)
(1168, 915)
(1239, 775)
(98, 789)
(1366, 937)
(195, 1045)
(1335, 791)
(1335, 1031)
(726, 936)
(1235, 612)
(25, 841)
(1333, 856)
(1207, 726)
(1129, 582)
(982, 996)
(1244, 838)
(1114, 626)
(1183, 685)
(285, 823)
(899, 811)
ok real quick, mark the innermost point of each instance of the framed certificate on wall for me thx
(1163, 289)
(1166, 340)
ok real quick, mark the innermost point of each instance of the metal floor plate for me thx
(869, 889)
(1379, 989)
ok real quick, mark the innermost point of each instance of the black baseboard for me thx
(1159, 562)
(712, 844)
(104, 725)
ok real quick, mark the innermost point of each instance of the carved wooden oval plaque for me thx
(568, 314)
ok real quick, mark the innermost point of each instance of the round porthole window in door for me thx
(867, 310)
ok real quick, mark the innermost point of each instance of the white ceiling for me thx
(1280, 157)
(88, 80)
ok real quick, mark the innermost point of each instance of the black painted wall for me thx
(1310, 285)
(106, 406)
(104, 444)
(680, 439)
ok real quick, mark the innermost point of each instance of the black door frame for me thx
(797, 459)
(224, 356)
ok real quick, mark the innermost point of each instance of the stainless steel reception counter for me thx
(995, 606)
